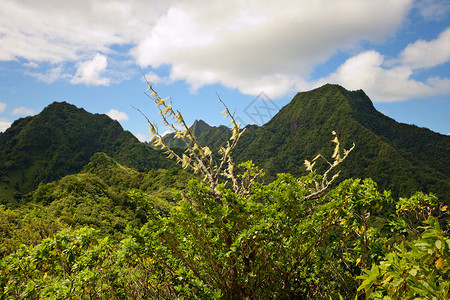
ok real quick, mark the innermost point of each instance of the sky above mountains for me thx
(256, 55)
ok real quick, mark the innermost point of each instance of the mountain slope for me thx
(400, 157)
(205, 134)
(60, 141)
(105, 195)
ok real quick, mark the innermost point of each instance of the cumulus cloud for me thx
(427, 54)
(66, 30)
(4, 124)
(255, 46)
(365, 71)
(90, 72)
(117, 115)
(386, 81)
(252, 46)
(46, 32)
(22, 111)
(2, 107)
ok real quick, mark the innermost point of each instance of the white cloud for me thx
(66, 30)
(392, 80)
(365, 71)
(423, 54)
(90, 72)
(254, 46)
(142, 137)
(31, 64)
(433, 9)
(4, 124)
(22, 111)
(2, 107)
(117, 115)
(155, 78)
(441, 85)
(50, 76)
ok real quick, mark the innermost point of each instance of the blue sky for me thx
(88, 53)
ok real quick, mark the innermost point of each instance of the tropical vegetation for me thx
(216, 229)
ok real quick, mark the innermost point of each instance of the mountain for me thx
(399, 157)
(205, 134)
(60, 141)
(104, 195)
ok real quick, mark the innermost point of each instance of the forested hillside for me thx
(212, 136)
(104, 195)
(399, 157)
(60, 141)
(127, 223)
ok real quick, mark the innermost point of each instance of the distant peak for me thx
(199, 127)
(354, 97)
(327, 86)
(331, 85)
(60, 104)
(200, 122)
(196, 122)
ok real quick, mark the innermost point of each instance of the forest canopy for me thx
(217, 230)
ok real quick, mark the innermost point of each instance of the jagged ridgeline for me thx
(399, 157)
(60, 141)
(212, 136)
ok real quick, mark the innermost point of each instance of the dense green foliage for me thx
(419, 270)
(264, 245)
(104, 195)
(112, 232)
(60, 141)
(399, 157)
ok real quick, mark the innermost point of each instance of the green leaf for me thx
(397, 281)
(438, 244)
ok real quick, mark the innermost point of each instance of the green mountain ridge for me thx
(60, 141)
(212, 136)
(399, 157)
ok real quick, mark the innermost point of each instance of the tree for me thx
(418, 270)
(239, 238)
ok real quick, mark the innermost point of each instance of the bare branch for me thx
(326, 182)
